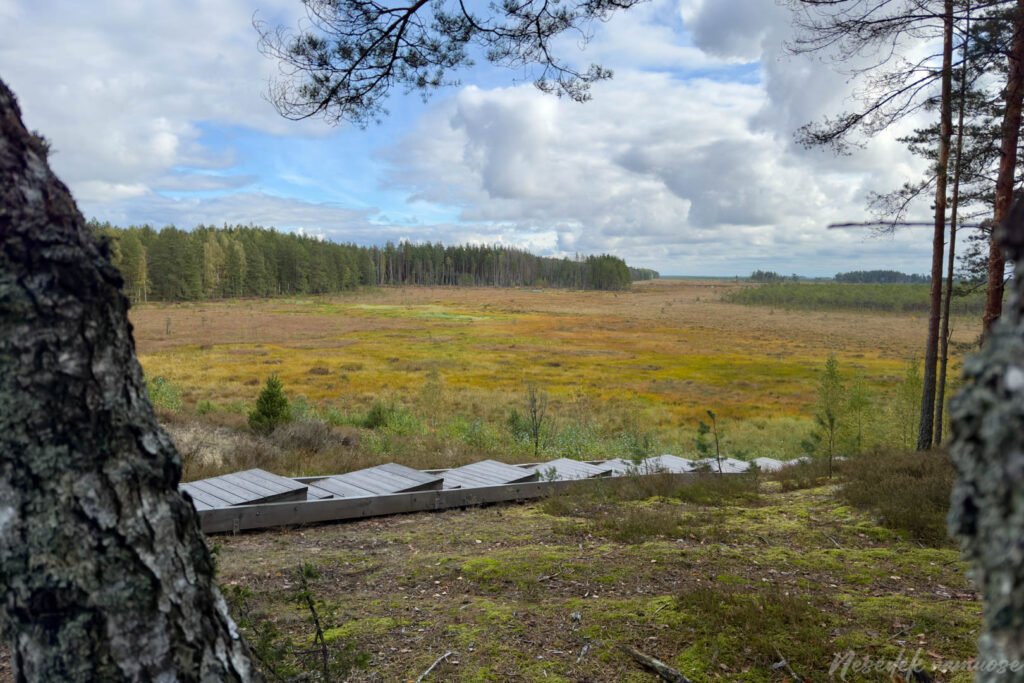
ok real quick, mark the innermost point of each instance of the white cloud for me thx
(685, 161)
(120, 88)
(658, 169)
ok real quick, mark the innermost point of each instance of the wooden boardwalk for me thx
(486, 473)
(256, 499)
(375, 481)
(566, 469)
(250, 487)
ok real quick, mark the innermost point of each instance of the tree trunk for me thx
(1010, 133)
(947, 302)
(988, 451)
(931, 351)
(105, 574)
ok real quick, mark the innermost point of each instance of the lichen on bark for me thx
(104, 572)
(987, 511)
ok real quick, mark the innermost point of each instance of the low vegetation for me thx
(722, 578)
(906, 491)
(823, 296)
(439, 377)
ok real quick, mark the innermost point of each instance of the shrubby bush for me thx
(272, 409)
(908, 491)
(164, 394)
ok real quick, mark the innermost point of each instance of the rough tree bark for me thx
(988, 451)
(104, 572)
(931, 351)
(1013, 97)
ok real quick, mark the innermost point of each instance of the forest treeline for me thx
(882, 277)
(209, 263)
(894, 297)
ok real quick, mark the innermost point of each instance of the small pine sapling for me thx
(272, 409)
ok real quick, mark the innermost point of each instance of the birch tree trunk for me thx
(988, 451)
(104, 572)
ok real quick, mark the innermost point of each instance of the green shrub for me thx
(164, 394)
(477, 434)
(391, 417)
(272, 408)
(907, 491)
(301, 410)
(379, 414)
(204, 407)
(518, 425)
(579, 442)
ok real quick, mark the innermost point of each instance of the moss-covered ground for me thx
(723, 588)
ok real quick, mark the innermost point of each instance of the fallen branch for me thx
(784, 663)
(659, 667)
(437, 661)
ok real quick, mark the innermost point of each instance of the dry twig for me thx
(659, 667)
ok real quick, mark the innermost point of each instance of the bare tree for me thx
(536, 412)
(104, 571)
(342, 64)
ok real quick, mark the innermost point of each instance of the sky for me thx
(685, 161)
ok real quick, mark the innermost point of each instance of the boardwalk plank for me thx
(566, 468)
(215, 491)
(200, 496)
(246, 488)
(486, 472)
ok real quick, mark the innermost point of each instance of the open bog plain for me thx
(721, 578)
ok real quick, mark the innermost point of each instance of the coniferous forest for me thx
(241, 261)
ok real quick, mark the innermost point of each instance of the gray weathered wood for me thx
(387, 478)
(201, 498)
(278, 487)
(566, 468)
(486, 472)
(252, 489)
(226, 491)
(668, 463)
(244, 488)
(342, 489)
(618, 466)
(418, 476)
(246, 517)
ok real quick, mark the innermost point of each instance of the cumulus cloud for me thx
(684, 162)
(659, 169)
(121, 88)
(235, 208)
